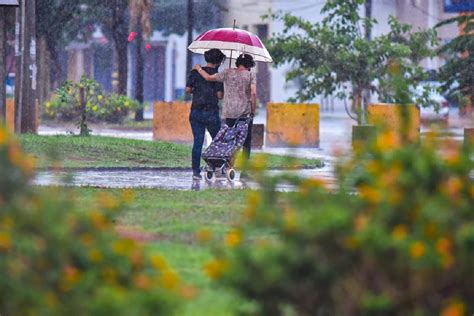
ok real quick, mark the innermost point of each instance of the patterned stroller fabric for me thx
(227, 141)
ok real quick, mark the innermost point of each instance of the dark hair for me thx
(245, 60)
(214, 56)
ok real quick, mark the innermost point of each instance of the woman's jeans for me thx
(248, 141)
(200, 121)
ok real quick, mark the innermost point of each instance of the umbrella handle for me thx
(230, 59)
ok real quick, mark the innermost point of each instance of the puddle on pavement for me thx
(163, 179)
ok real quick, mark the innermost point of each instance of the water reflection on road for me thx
(164, 179)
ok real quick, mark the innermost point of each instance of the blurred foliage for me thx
(57, 259)
(334, 57)
(395, 238)
(457, 74)
(66, 104)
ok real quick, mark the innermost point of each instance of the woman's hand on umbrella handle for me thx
(197, 67)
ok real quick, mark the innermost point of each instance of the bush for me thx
(396, 238)
(58, 260)
(66, 106)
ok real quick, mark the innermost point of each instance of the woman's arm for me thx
(204, 74)
(253, 98)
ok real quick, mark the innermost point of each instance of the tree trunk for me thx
(357, 101)
(28, 115)
(18, 65)
(122, 66)
(140, 70)
(119, 34)
(190, 27)
(44, 86)
(3, 68)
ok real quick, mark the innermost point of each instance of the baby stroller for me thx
(220, 153)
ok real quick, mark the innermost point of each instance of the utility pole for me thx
(19, 72)
(28, 124)
(140, 68)
(3, 68)
(368, 15)
(25, 87)
(190, 24)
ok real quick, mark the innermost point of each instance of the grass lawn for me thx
(109, 152)
(173, 217)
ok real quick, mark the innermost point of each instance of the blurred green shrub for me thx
(395, 238)
(66, 106)
(58, 260)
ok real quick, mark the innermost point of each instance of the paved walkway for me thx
(335, 135)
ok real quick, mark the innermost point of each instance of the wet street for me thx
(335, 136)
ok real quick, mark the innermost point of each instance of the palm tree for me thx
(140, 11)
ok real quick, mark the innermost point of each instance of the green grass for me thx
(109, 152)
(175, 216)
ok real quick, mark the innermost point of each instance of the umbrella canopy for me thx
(231, 42)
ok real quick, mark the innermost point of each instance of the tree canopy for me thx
(457, 75)
(334, 57)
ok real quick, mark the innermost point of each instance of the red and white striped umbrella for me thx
(232, 42)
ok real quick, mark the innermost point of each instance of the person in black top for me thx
(204, 108)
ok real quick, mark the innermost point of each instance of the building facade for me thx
(421, 14)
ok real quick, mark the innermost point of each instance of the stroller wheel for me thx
(209, 175)
(230, 174)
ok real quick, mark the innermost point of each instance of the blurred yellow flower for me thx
(142, 281)
(369, 193)
(100, 97)
(290, 219)
(453, 187)
(122, 246)
(454, 309)
(107, 201)
(95, 255)
(5, 241)
(417, 249)
(159, 262)
(169, 279)
(443, 246)
(16, 157)
(399, 232)
(215, 268)
(233, 238)
(128, 195)
(204, 235)
(98, 219)
(3, 136)
(360, 222)
(94, 108)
